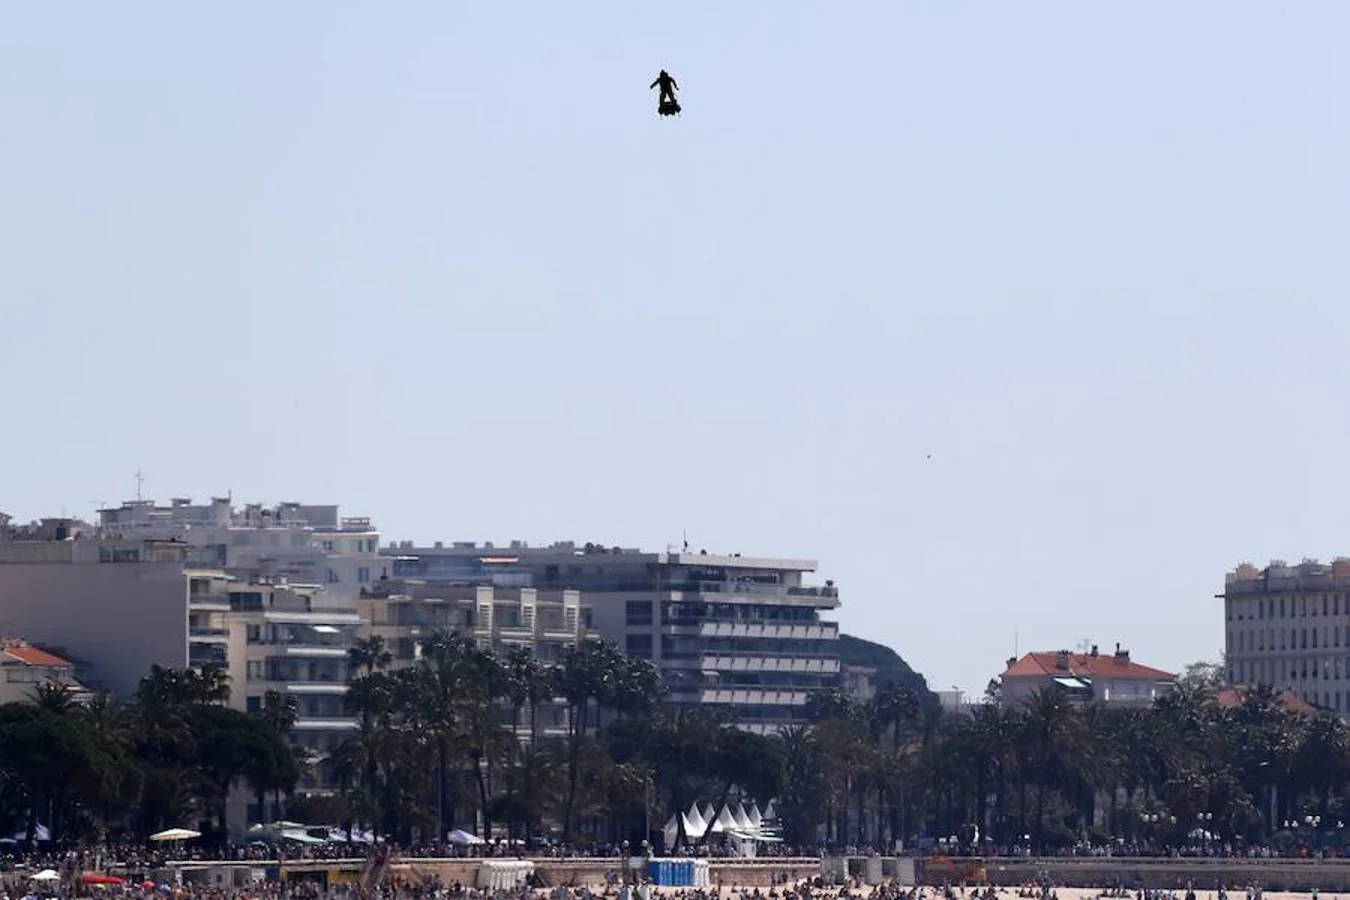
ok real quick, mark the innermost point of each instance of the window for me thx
(255, 667)
(254, 704)
(332, 577)
(255, 634)
(363, 574)
(639, 612)
(328, 546)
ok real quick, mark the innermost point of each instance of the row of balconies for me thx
(813, 665)
(825, 631)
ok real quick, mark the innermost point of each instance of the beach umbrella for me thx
(95, 878)
(176, 834)
(45, 875)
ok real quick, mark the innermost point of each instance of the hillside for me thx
(891, 668)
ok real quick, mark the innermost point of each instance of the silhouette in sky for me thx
(666, 104)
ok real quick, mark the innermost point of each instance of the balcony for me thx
(197, 632)
(767, 594)
(335, 723)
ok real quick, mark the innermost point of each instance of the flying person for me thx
(666, 100)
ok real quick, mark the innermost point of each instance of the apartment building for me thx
(1095, 677)
(739, 632)
(117, 605)
(305, 543)
(271, 635)
(546, 621)
(403, 613)
(1288, 626)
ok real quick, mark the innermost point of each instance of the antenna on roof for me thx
(140, 481)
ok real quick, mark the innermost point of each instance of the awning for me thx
(1076, 684)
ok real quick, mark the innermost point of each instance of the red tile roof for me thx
(28, 655)
(1232, 697)
(1084, 665)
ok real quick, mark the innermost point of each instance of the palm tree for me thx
(369, 655)
(1054, 741)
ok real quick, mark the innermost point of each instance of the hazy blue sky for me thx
(442, 263)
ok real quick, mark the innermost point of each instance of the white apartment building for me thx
(270, 635)
(546, 621)
(1289, 627)
(305, 543)
(743, 633)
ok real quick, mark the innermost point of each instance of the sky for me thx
(442, 263)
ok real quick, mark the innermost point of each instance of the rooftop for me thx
(1232, 697)
(522, 552)
(1063, 664)
(1279, 575)
(18, 652)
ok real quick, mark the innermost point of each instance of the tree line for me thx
(588, 749)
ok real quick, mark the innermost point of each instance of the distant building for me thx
(24, 668)
(305, 543)
(119, 605)
(276, 636)
(738, 632)
(546, 621)
(1113, 679)
(116, 592)
(1288, 627)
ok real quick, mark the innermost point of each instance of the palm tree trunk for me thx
(442, 825)
(577, 727)
(482, 795)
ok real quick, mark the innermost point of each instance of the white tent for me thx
(41, 834)
(300, 836)
(742, 820)
(460, 836)
(694, 824)
(355, 836)
(753, 815)
(709, 814)
(725, 822)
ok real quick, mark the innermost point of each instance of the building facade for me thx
(308, 544)
(732, 631)
(500, 619)
(1113, 679)
(117, 605)
(273, 636)
(1288, 627)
